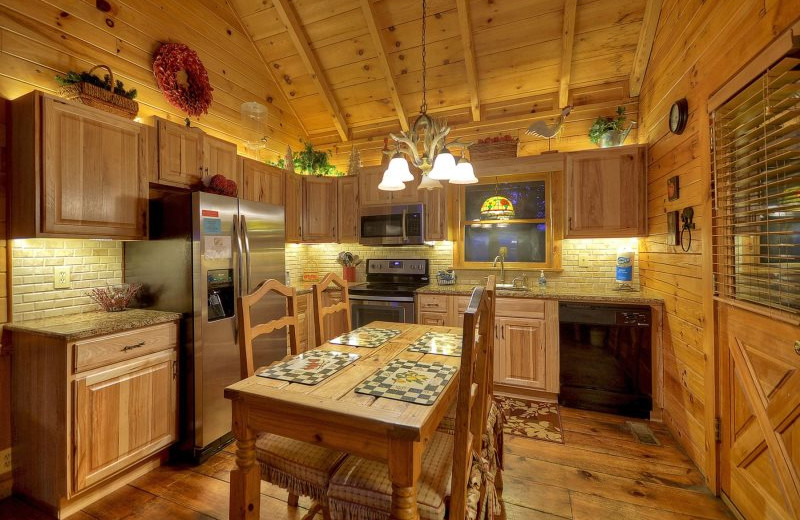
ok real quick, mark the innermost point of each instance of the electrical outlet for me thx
(61, 278)
(583, 261)
(5, 461)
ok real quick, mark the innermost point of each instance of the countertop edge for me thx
(95, 324)
(636, 297)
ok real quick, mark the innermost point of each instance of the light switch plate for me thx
(5, 461)
(61, 278)
(583, 261)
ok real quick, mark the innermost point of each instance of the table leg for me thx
(245, 498)
(405, 466)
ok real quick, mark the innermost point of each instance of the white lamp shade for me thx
(465, 173)
(390, 182)
(444, 166)
(428, 183)
(398, 167)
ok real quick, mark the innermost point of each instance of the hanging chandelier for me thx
(497, 207)
(436, 161)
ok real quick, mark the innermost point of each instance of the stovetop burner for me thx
(387, 277)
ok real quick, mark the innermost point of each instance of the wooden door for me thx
(606, 193)
(435, 202)
(261, 182)
(319, 209)
(219, 158)
(123, 413)
(410, 195)
(94, 180)
(347, 212)
(293, 199)
(370, 195)
(520, 357)
(180, 154)
(760, 406)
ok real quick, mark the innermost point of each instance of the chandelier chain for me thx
(424, 106)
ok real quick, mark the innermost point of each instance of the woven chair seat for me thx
(361, 489)
(299, 467)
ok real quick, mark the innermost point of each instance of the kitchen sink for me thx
(510, 287)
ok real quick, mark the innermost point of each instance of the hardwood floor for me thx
(600, 472)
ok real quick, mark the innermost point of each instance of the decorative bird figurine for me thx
(542, 129)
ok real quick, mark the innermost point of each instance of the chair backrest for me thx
(472, 406)
(491, 292)
(248, 332)
(321, 311)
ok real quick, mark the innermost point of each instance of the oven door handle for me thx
(378, 299)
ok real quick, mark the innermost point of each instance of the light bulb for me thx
(465, 173)
(444, 166)
(428, 183)
(398, 167)
(390, 182)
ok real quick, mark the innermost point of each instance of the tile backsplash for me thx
(587, 264)
(93, 263)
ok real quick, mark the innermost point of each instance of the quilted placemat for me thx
(310, 368)
(442, 343)
(410, 381)
(368, 337)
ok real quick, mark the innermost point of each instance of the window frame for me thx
(552, 182)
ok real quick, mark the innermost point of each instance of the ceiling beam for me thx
(646, 36)
(269, 69)
(567, 45)
(289, 18)
(374, 32)
(465, 26)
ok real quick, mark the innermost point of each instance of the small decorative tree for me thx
(354, 165)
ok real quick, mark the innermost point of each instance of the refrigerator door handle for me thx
(248, 269)
(238, 267)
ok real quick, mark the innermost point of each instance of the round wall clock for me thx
(678, 116)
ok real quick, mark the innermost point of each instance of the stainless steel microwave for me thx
(392, 225)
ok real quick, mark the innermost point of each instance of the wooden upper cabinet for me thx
(410, 195)
(606, 193)
(261, 182)
(320, 196)
(219, 158)
(293, 198)
(348, 209)
(370, 195)
(180, 154)
(76, 171)
(435, 202)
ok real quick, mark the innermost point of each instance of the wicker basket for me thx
(96, 97)
(498, 150)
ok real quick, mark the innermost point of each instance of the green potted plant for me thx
(311, 162)
(610, 130)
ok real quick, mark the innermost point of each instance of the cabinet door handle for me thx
(569, 221)
(131, 347)
(502, 332)
(797, 347)
(174, 370)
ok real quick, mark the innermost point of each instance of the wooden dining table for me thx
(333, 415)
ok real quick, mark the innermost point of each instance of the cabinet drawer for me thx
(520, 308)
(433, 302)
(105, 350)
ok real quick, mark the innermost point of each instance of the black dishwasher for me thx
(605, 358)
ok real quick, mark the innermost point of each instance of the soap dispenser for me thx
(542, 279)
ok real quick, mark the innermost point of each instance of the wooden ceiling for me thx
(350, 70)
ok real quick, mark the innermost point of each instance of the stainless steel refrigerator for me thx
(204, 251)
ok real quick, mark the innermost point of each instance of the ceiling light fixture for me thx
(436, 162)
(497, 207)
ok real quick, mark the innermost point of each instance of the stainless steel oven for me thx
(366, 309)
(392, 225)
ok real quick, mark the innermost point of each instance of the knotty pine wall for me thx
(699, 45)
(41, 39)
(5, 358)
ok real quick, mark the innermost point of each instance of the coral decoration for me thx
(182, 78)
(114, 298)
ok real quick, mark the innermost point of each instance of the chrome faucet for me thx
(501, 258)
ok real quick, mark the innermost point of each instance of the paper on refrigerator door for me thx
(217, 247)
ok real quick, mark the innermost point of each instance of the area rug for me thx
(532, 419)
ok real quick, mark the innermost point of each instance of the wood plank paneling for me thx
(698, 45)
(5, 354)
(42, 39)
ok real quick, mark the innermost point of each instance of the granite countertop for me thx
(643, 297)
(78, 326)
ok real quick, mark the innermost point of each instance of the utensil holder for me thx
(349, 273)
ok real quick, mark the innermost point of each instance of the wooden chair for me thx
(361, 488)
(301, 468)
(321, 311)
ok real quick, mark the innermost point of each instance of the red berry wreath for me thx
(182, 78)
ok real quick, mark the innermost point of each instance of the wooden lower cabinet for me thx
(105, 407)
(526, 337)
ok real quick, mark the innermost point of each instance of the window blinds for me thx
(756, 189)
